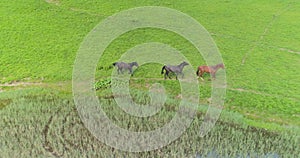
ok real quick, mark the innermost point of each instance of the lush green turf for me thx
(259, 42)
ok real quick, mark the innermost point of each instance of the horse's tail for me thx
(197, 72)
(162, 70)
(114, 64)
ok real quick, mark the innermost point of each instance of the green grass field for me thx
(259, 42)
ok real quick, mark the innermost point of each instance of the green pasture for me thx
(259, 42)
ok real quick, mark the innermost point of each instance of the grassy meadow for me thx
(259, 42)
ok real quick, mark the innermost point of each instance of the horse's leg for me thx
(197, 72)
(213, 74)
(181, 74)
(200, 75)
(130, 70)
(169, 76)
(118, 71)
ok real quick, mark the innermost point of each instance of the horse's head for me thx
(221, 65)
(115, 63)
(135, 64)
(184, 63)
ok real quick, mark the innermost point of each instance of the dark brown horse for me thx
(209, 69)
(174, 69)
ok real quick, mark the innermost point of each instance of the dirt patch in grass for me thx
(4, 103)
(56, 2)
(15, 84)
(62, 86)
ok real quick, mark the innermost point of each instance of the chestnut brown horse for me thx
(209, 69)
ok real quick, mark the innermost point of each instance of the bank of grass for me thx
(47, 124)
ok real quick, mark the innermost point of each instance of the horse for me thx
(174, 69)
(122, 66)
(209, 69)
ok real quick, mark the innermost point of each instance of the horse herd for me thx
(176, 69)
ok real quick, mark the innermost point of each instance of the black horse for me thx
(174, 69)
(123, 66)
